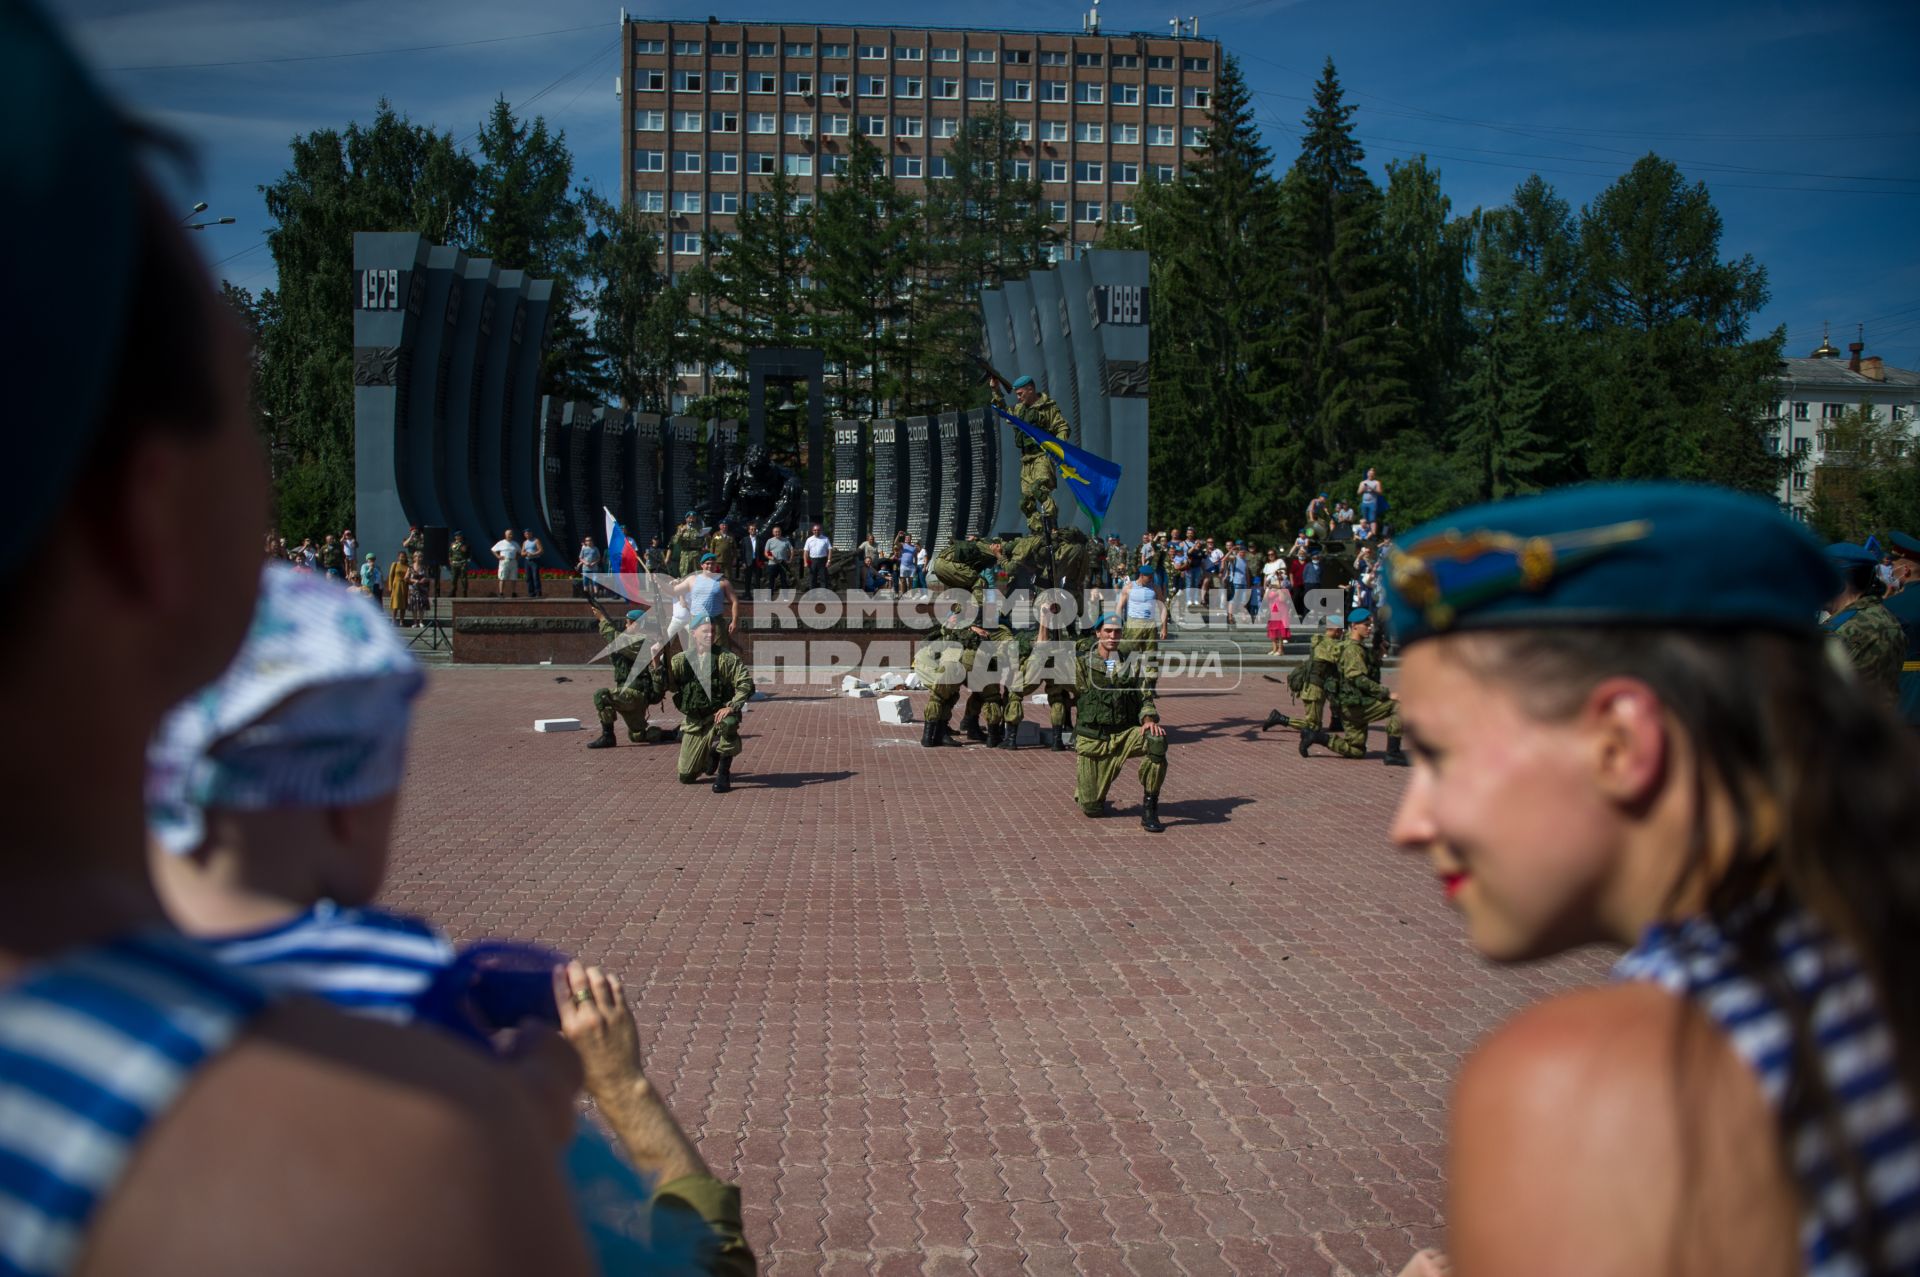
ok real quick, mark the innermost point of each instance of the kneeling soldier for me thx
(1364, 699)
(1316, 682)
(709, 688)
(1118, 721)
(634, 692)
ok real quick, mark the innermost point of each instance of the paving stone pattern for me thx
(934, 1020)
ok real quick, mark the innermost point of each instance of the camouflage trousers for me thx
(1312, 710)
(631, 704)
(1031, 679)
(1037, 505)
(1356, 715)
(1139, 636)
(704, 742)
(1100, 761)
(948, 670)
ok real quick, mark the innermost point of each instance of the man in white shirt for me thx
(819, 552)
(506, 552)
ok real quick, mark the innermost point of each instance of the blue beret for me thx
(1607, 554)
(1018, 382)
(637, 614)
(707, 557)
(699, 619)
(1359, 616)
(1904, 546)
(691, 514)
(1106, 619)
(1844, 553)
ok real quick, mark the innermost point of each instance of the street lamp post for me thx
(198, 209)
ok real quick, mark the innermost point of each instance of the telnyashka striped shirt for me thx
(366, 961)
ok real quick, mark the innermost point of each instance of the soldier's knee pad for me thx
(1156, 747)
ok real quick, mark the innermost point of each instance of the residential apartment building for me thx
(713, 108)
(1817, 391)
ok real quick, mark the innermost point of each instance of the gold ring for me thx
(581, 995)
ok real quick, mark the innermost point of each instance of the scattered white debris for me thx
(915, 683)
(895, 709)
(556, 724)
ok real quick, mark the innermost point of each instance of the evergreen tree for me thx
(862, 259)
(754, 289)
(641, 324)
(1678, 390)
(1346, 391)
(1427, 250)
(1500, 431)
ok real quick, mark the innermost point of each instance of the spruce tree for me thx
(862, 261)
(1500, 431)
(754, 289)
(1427, 252)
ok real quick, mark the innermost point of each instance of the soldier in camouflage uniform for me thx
(1874, 641)
(1114, 692)
(458, 557)
(1362, 698)
(946, 662)
(1037, 473)
(1044, 664)
(634, 690)
(1316, 682)
(687, 545)
(709, 688)
(724, 548)
(332, 558)
(415, 543)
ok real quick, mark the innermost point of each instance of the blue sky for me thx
(1804, 119)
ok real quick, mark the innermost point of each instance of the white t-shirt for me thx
(1369, 486)
(819, 547)
(506, 551)
(1277, 567)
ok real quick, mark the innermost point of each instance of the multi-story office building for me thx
(714, 107)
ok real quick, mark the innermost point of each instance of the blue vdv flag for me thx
(1092, 479)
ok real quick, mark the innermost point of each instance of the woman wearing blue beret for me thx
(1617, 742)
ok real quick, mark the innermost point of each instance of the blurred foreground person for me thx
(1618, 742)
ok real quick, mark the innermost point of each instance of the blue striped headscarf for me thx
(313, 712)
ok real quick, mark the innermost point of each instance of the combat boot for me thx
(1395, 756)
(1150, 814)
(1012, 739)
(723, 776)
(1309, 739)
(971, 726)
(1097, 812)
(1274, 719)
(604, 740)
(930, 734)
(1058, 740)
(996, 736)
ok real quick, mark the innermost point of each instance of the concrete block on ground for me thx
(556, 724)
(895, 709)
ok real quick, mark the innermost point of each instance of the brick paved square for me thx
(934, 1020)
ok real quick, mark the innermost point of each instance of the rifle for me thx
(993, 374)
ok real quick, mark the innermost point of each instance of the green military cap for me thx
(1607, 554)
(1844, 554)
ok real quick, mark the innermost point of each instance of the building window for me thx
(1197, 64)
(873, 126)
(760, 48)
(799, 81)
(1053, 58)
(873, 52)
(686, 201)
(1832, 411)
(980, 90)
(649, 161)
(723, 162)
(686, 48)
(1053, 171)
(833, 165)
(762, 163)
(1126, 134)
(835, 50)
(1194, 135)
(1088, 59)
(650, 81)
(1053, 90)
(650, 201)
(1122, 213)
(1087, 131)
(946, 87)
(1802, 446)
(762, 122)
(946, 55)
(1020, 170)
(1159, 95)
(907, 53)
(946, 126)
(650, 121)
(1053, 130)
(839, 86)
(1018, 90)
(1197, 97)
(1163, 172)
(1126, 61)
(649, 46)
(1126, 95)
(982, 55)
(681, 401)
(836, 125)
(760, 82)
(1088, 93)
(1799, 482)
(687, 81)
(1089, 171)
(686, 243)
(686, 121)
(799, 50)
(686, 161)
(1800, 412)
(1159, 62)
(940, 168)
(908, 126)
(1087, 211)
(1773, 444)
(906, 166)
(799, 125)
(1057, 210)
(873, 86)
(1019, 57)
(726, 48)
(1899, 413)
(799, 166)
(726, 82)
(726, 122)
(906, 86)
(1022, 130)
(1126, 174)
(1159, 135)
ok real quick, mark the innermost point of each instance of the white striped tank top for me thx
(1697, 961)
(95, 1045)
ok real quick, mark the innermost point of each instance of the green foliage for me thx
(1869, 480)
(863, 254)
(1427, 250)
(642, 326)
(754, 288)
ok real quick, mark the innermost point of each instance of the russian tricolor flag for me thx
(623, 553)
